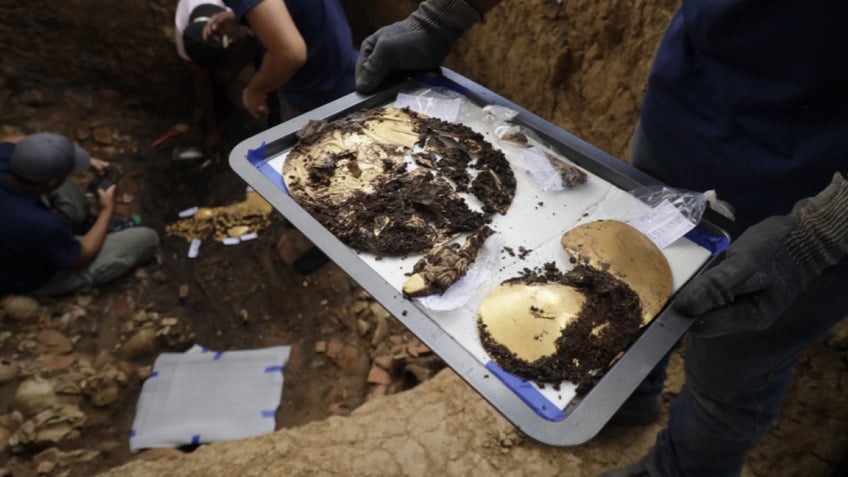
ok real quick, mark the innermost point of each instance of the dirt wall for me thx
(125, 45)
(581, 64)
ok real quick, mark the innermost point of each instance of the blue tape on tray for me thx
(270, 413)
(132, 433)
(530, 395)
(195, 439)
(257, 156)
(441, 81)
(714, 243)
(274, 369)
(217, 356)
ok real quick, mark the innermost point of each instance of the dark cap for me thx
(206, 54)
(41, 157)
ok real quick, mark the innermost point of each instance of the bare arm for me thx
(92, 242)
(285, 51)
(15, 138)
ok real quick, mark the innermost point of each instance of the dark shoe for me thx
(631, 416)
(638, 469)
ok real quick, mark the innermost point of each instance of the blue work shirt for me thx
(331, 57)
(34, 242)
(750, 98)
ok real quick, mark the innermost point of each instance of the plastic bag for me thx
(690, 204)
(495, 114)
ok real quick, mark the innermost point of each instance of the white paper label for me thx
(188, 212)
(194, 248)
(663, 224)
(231, 241)
(444, 109)
(248, 236)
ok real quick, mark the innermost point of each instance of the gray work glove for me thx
(769, 265)
(420, 42)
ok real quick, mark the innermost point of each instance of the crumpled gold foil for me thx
(250, 215)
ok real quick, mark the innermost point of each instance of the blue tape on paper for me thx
(274, 369)
(530, 395)
(195, 439)
(217, 355)
(269, 413)
(714, 243)
(154, 374)
(132, 433)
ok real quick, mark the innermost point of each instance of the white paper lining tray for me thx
(536, 221)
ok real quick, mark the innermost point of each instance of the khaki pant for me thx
(121, 251)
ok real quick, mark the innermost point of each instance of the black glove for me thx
(420, 42)
(769, 265)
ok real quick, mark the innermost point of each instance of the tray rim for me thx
(584, 416)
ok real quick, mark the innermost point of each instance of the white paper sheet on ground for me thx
(206, 396)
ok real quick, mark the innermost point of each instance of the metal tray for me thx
(560, 423)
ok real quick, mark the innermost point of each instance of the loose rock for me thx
(9, 370)
(21, 308)
(34, 396)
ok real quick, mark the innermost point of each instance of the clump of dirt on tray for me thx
(606, 325)
(403, 215)
(388, 181)
(444, 265)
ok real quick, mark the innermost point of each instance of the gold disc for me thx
(628, 255)
(528, 318)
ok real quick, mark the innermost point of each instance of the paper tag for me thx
(444, 109)
(248, 236)
(663, 224)
(231, 241)
(188, 212)
(194, 248)
(543, 172)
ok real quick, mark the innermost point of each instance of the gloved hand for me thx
(420, 42)
(769, 265)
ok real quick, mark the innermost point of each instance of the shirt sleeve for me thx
(241, 7)
(6, 149)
